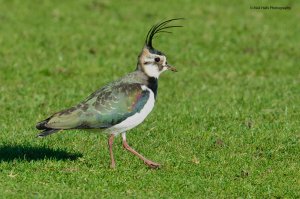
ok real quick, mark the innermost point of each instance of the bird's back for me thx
(106, 107)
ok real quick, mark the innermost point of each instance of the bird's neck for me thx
(152, 83)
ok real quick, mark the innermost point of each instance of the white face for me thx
(154, 65)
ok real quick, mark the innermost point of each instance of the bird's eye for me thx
(157, 59)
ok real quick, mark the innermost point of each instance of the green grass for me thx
(225, 126)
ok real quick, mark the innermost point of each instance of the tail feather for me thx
(42, 124)
(47, 132)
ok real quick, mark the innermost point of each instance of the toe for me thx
(152, 165)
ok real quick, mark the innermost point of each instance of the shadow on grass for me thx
(29, 153)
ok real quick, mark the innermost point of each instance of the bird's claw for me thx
(152, 165)
(112, 166)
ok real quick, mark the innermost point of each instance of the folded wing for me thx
(102, 109)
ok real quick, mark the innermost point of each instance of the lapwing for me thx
(120, 105)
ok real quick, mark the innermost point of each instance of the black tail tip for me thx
(47, 132)
(42, 124)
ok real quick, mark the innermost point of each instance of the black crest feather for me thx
(159, 28)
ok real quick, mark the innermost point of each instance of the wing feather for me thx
(103, 109)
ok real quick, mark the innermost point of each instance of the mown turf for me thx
(225, 126)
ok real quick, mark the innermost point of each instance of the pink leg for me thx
(110, 144)
(150, 163)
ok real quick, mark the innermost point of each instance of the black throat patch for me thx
(153, 85)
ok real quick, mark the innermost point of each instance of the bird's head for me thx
(151, 61)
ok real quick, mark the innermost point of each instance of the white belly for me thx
(135, 119)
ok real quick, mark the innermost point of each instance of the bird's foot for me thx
(113, 166)
(152, 165)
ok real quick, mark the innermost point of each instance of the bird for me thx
(122, 104)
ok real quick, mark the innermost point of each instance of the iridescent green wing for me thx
(103, 109)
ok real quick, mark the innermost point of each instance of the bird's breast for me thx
(137, 118)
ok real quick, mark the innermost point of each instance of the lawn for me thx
(225, 126)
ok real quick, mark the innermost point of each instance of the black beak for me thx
(172, 68)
